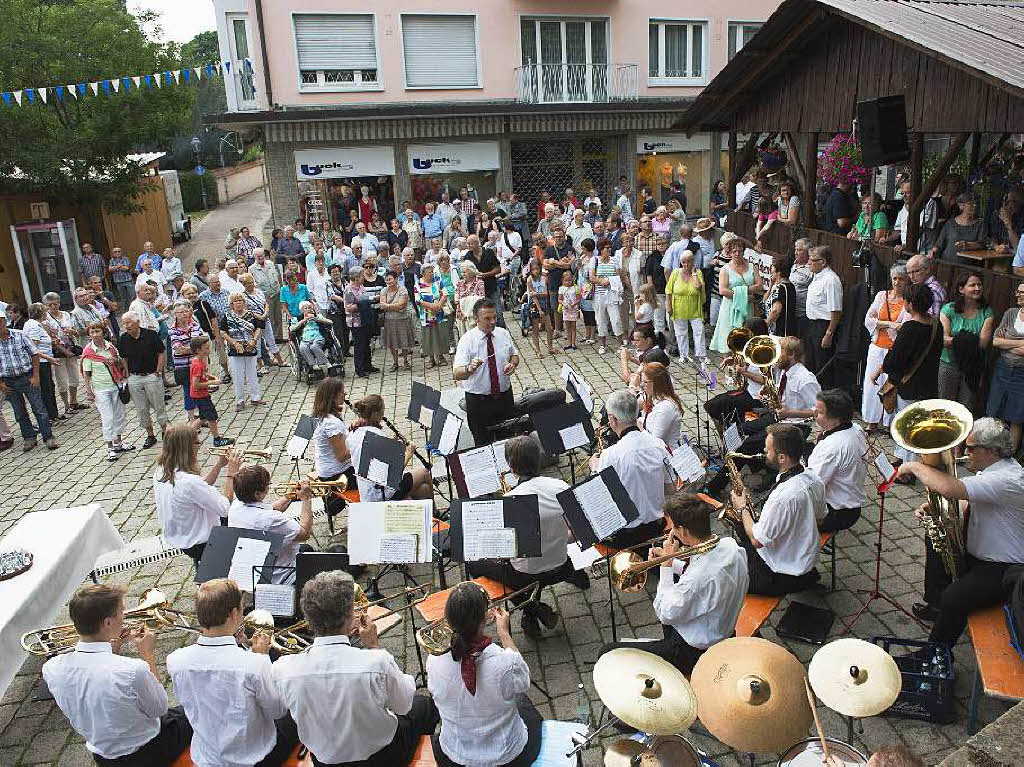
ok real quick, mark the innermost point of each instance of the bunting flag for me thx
(110, 85)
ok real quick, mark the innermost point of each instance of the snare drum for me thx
(808, 753)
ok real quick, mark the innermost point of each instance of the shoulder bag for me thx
(887, 393)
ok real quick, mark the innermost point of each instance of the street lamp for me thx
(196, 143)
(224, 140)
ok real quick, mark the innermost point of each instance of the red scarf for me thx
(468, 661)
(113, 362)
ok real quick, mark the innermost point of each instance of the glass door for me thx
(240, 65)
(570, 57)
(551, 60)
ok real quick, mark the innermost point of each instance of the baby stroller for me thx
(303, 371)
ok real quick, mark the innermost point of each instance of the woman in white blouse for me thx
(330, 445)
(415, 484)
(188, 504)
(480, 689)
(662, 410)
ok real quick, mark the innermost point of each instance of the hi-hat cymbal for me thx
(854, 677)
(644, 691)
(672, 751)
(752, 695)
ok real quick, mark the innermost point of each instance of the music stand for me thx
(381, 461)
(563, 429)
(485, 477)
(379, 534)
(514, 512)
(233, 552)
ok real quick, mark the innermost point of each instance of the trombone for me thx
(258, 455)
(318, 487)
(436, 637)
(628, 570)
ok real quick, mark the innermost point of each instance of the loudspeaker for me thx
(882, 131)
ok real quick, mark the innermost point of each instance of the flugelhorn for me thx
(318, 487)
(259, 455)
(628, 570)
(436, 638)
(154, 612)
(763, 352)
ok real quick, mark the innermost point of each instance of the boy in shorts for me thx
(200, 382)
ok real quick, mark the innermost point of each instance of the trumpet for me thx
(259, 455)
(153, 612)
(318, 487)
(628, 570)
(436, 638)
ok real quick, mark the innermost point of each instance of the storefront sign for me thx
(344, 162)
(673, 142)
(464, 157)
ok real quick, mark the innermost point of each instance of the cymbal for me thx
(671, 751)
(752, 695)
(854, 677)
(644, 691)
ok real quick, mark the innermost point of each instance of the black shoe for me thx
(150, 441)
(222, 441)
(546, 615)
(925, 612)
(531, 627)
(579, 579)
(374, 370)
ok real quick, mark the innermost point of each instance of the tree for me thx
(73, 149)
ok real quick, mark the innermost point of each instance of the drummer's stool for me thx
(185, 760)
(827, 545)
(1000, 671)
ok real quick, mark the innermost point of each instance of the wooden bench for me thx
(754, 614)
(351, 495)
(827, 545)
(185, 760)
(1000, 671)
(432, 608)
(424, 756)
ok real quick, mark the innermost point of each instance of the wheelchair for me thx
(303, 371)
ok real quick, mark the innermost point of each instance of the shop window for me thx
(676, 52)
(740, 33)
(336, 51)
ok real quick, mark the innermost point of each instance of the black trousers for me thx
(515, 580)
(816, 357)
(672, 648)
(172, 740)
(631, 536)
(485, 410)
(533, 721)
(48, 391)
(730, 406)
(361, 350)
(981, 586)
(333, 505)
(195, 553)
(421, 720)
(287, 739)
(839, 519)
(767, 582)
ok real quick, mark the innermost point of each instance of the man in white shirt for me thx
(639, 460)
(701, 607)
(229, 278)
(801, 275)
(743, 187)
(484, 360)
(994, 530)
(149, 274)
(446, 210)
(369, 242)
(117, 704)
(227, 692)
(782, 545)
(170, 266)
(143, 306)
(250, 511)
(824, 309)
(839, 460)
(579, 230)
(350, 704)
(523, 455)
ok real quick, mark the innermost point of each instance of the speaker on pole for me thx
(882, 131)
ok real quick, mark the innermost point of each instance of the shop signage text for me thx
(344, 162)
(672, 142)
(454, 158)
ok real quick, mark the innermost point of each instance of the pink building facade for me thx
(415, 98)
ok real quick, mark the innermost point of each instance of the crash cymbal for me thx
(854, 677)
(752, 695)
(671, 751)
(644, 691)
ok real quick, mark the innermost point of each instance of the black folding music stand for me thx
(556, 419)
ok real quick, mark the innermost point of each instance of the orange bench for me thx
(424, 756)
(1000, 671)
(754, 613)
(185, 760)
(827, 544)
(432, 608)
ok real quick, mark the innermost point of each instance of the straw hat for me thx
(703, 225)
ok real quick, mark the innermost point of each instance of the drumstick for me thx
(817, 722)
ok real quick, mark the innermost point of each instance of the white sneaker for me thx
(602, 350)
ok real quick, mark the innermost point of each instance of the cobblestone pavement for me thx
(34, 731)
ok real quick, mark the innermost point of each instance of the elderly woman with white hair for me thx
(65, 353)
(241, 333)
(882, 322)
(468, 291)
(310, 330)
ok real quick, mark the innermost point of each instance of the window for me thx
(336, 51)
(440, 51)
(565, 59)
(676, 52)
(242, 68)
(740, 33)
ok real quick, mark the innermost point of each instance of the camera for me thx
(861, 258)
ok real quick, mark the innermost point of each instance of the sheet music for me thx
(481, 516)
(883, 465)
(249, 553)
(296, 447)
(586, 395)
(557, 741)
(377, 472)
(732, 438)
(580, 558)
(599, 507)
(277, 599)
(480, 471)
(499, 457)
(490, 544)
(426, 416)
(449, 435)
(398, 548)
(686, 463)
(573, 436)
(403, 517)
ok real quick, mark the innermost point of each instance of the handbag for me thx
(123, 393)
(888, 393)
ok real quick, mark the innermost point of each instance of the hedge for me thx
(191, 192)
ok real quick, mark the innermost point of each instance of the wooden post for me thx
(798, 165)
(975, 152)
(731, 190)
(941, 170)
(811, 172)
(916, 169)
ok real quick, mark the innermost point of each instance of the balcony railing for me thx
(566, 83)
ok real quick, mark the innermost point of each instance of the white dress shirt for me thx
(802, 387)
(473, 344)
(639, 460)
(317, 284)
(263, 517)
(114, 702)
(147, 319)
(230, 699)
(754, 388)
(703, 605)
(229, 283)
(344, 699)
(154, 276)
(824, 295)
(788, 526)
(664, 422)
(368, 491)
(327, 465)
(171, 268)
(838, 459)
(188, 509)
(553, 532)
(481, 729)
(995, 528)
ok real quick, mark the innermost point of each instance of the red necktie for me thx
(782, 384)
(492, 366)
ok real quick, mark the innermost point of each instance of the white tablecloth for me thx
(65, 544)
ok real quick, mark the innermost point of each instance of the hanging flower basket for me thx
(841, 163)
(772, 158)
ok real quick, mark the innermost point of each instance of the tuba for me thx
(729, 513)
(735, 362)
(932, 428)
(763, 352)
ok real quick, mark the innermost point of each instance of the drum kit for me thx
(749, 693)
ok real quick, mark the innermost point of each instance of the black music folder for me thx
(382, 460)
(422, 403)
(444, 431)
(564, 428)
(309, 564)
(476, 471)
(233, 552)
(597, 507)
(478, 528)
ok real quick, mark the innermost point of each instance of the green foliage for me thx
(253, 153)
(191, 190)
(73, 150)
(201, 49)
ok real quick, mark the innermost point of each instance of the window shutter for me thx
(335, 41)
(440, 51)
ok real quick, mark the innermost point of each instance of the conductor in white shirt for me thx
(228, 692)
(523, 455)
(782, 545)
(350, 704)
(117, 704)
(480, 689)
(839, 460)
(484, 360)
(701, 607)
(639, 460)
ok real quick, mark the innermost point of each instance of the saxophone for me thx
(769, 394)
(729, 513)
